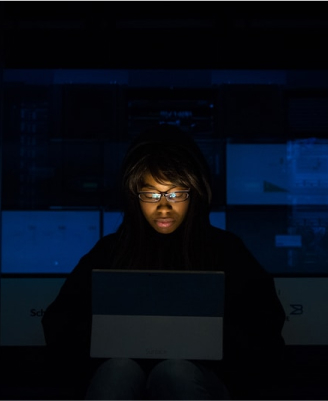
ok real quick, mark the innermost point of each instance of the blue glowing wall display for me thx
(285, 240)
(111, 221)
(218, 219)
(309, 225)
(295, 173)
(47, 241)
(258, 227)
(308, 171)
(257, 174)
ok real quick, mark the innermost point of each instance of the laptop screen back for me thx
(157, 314)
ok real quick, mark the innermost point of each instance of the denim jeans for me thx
(125, 379)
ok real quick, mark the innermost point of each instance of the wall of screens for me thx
(266, 144)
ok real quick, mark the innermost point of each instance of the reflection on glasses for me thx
(153, 197)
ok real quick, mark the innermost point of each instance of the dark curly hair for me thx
(168, 154)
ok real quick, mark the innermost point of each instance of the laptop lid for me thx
(157, 314)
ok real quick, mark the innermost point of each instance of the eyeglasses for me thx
(153, 197)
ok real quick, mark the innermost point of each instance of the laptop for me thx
(157, 314)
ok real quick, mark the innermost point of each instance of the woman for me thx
(166, 198)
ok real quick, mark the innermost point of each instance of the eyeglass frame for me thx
(166, 196)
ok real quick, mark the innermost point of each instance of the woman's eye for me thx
(152, 195)
(175, 195)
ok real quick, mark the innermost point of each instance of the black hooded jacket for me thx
(253, 317)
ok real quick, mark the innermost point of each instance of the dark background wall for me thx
(163, 35)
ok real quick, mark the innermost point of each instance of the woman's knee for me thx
(117, 378)
(172, 370)
(183, 379)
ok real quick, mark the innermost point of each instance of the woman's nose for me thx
(164, 203)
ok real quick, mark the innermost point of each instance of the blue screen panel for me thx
(111, 221)
(294, 173)
(258, 228)
(285, 240)
(257, 174)
(218, 219)
(47, 241)
(308, 159)
(310, 225)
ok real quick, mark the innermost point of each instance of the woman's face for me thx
(164, 216)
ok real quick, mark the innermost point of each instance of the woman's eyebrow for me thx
(149, 186)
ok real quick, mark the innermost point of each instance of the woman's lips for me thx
(164, 223)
